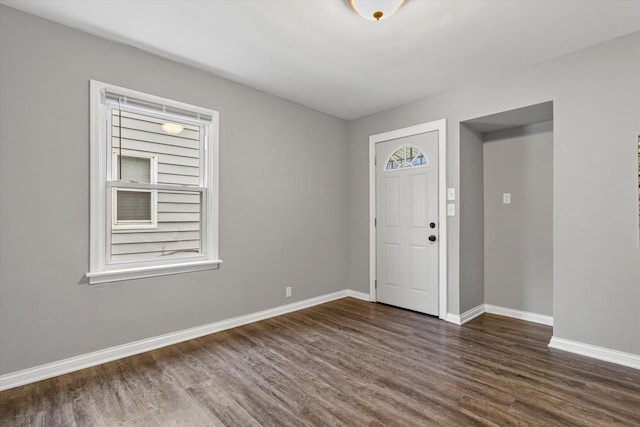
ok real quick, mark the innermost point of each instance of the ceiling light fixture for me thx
(172, 128)
(376, 10)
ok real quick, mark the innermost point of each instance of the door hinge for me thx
(375, 284)
(375, 222)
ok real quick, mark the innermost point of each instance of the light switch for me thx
(451, 209)
(506, 198)
(451, 194)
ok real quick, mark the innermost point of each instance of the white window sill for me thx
(161, 270)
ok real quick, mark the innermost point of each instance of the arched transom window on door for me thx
(406, 157)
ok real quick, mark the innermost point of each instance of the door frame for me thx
(441, 127)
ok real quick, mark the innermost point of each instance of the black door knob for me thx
(432, 238)
(432, 225)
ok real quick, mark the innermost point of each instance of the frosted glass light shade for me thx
(172, 128)
(375, 10)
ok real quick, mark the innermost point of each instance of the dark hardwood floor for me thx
(348, 363)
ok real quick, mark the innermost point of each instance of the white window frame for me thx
(153, 179)
(101, 269)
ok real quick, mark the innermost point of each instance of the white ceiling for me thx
(321, 54)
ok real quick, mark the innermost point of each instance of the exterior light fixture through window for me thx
(172, 128)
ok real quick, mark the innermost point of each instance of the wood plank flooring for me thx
(349, 363)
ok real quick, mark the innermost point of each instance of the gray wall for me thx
(518, 245)
(283, 199)
(471, 211)
(305, 224)
(596, 261)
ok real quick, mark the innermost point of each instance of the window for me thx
(406, 157)
(134, 208)
(154, 190)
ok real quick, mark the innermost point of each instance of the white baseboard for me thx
(358, 295)
(99, 357)
(453, 318)
(501, 311)
(466, 316)
(601, 353)
(518, 314)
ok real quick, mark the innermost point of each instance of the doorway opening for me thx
(506, 214)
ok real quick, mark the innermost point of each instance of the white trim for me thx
(466, 316)
(601, 353)
(98, 170)
(453, 318)
(441, 127)
(372, 221)
(518, 314)
(151, 271)
(500, 311)
(358, 295)
(159, 101)
(88, 360)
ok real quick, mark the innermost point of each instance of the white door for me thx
(407, 222)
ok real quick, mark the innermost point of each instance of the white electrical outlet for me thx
(506, 198)
(288, 292)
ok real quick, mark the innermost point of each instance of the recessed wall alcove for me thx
(506, 212)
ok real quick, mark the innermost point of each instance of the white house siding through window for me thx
(154, 223)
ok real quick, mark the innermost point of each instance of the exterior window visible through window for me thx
(154, 195)
(134, 208)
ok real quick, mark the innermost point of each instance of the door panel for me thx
(406, 203)
(392, 207)
(419, 268)
(419, 186)
(392, 276)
